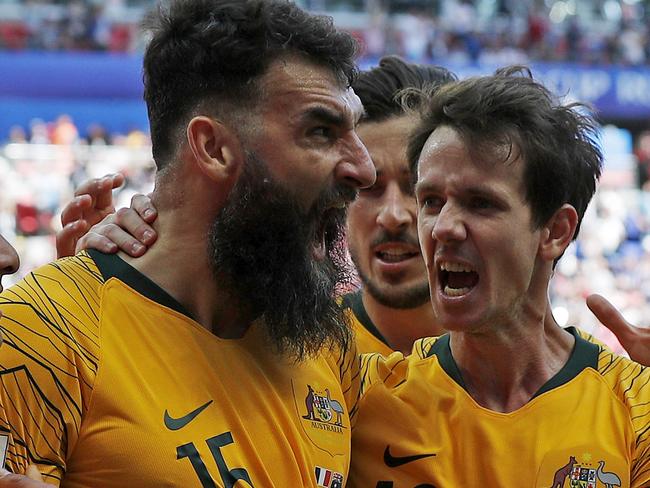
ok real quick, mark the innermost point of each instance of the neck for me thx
(505, 366)
(401, 327)
(179, 263)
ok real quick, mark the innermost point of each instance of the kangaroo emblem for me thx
(562, 473)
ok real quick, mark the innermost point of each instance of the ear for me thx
(558, 232)
(216, 149)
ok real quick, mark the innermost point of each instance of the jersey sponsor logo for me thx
(178, 423)
(584, 475)
(328, 478)
(323, 411)
(396, 461)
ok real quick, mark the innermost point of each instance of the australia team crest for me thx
(321, 413)
(323, 408)
(586, 474)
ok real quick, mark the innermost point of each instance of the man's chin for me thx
(401, 298)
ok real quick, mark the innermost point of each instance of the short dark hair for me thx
(379, 87)
(558, 143)
(215, 51)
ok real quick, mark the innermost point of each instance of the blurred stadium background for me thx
(71, 109)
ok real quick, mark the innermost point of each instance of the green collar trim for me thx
(112, 266)
(354, 302)
(584, 355)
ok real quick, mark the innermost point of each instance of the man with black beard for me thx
(262, 247)
(192, 365)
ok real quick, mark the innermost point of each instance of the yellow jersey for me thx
(587, 427)
(366, 335)
(106, 381)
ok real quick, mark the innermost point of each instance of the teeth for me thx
(455, 292)
(455, 267)
(394, 252)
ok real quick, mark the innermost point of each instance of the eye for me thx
(480, 203)
(322, 132)
(431, 203)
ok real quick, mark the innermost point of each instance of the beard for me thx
(389, 295)
(262, 246)
(412, 297)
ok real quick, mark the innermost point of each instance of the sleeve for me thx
(630, 383)
(48, 362)
(635, 391)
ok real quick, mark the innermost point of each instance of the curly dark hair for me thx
(213, 52)
(379, 87)
(558, 143)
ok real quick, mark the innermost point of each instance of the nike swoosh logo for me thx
(174, 424)
(396, 461)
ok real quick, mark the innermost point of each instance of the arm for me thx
(90, 222)
(48, 361)
(635, 340)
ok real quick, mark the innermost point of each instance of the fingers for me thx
(109, 237)
(75, 210)
(108, 183)
(609, 316)
(66, 238)
(133, 222)
(143, 206)
(10, 480)
(33, 473)
(101, 189)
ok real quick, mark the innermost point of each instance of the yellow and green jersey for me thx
(366, 335)
(587, 427)
(106, 381)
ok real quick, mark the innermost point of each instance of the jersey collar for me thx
(583, 356)
(354, 302)
(112, 266)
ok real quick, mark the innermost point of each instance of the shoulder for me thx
(392, 370)
(49, 358)
(628, 379)
(67, 277)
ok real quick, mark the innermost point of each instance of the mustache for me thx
(333, 196)
(403, 237)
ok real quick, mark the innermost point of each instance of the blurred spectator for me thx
(642, 153)
(64, 131)
(457, 30)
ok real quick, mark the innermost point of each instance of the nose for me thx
(356, 168)
(9, 261)
(397, 210)
(449, 225)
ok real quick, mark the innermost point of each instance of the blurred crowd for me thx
(43, 164)
(77, 25)
(460, 34)
(611, 257)
(444, 31)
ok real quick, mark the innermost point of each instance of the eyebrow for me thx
(474, 191)
(424, 187)
(324, 115)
